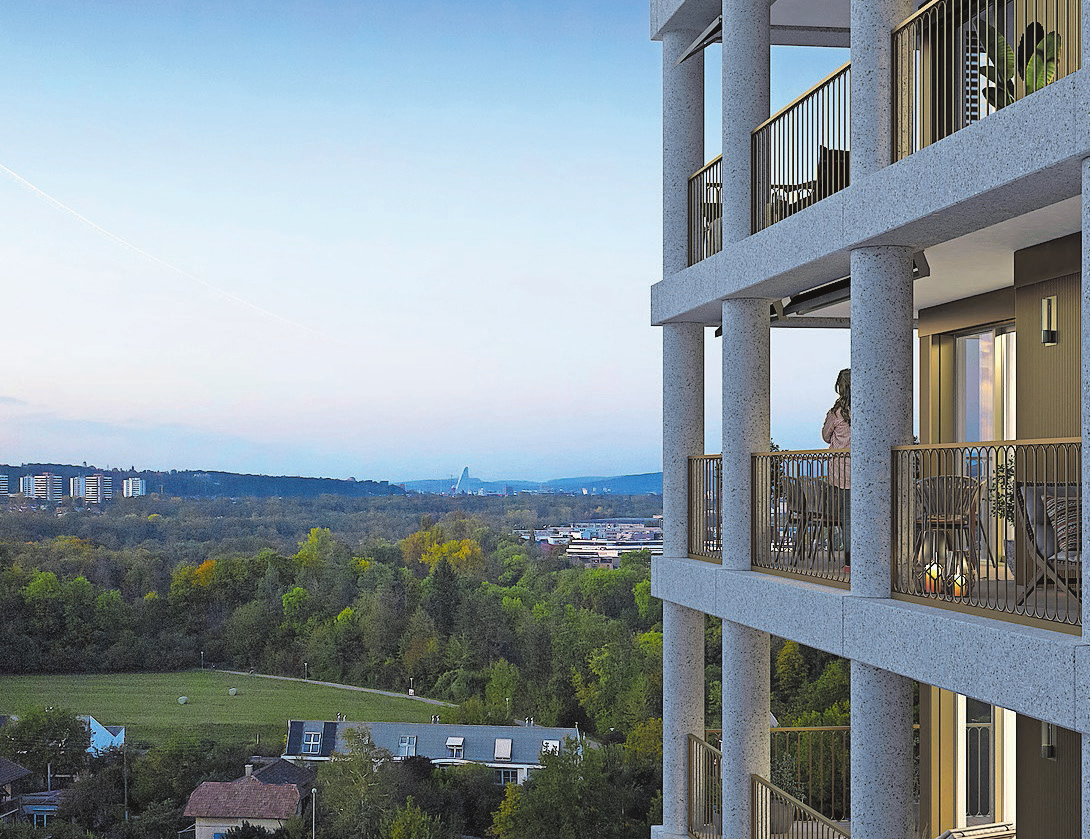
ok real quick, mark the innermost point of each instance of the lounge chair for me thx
(1050, 563)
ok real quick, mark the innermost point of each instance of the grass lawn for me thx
(147, 704)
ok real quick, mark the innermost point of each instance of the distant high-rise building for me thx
(45, 487)
(132, 487)
(3, 484)
(98, 488)
(77, 487)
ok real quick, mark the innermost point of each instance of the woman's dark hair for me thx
(843, 402)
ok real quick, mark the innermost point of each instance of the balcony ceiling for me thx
(983, 260)
(804, 23)
(811, 23)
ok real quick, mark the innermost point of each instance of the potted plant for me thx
(1001, 498)
(783, 775)
(1034, 62)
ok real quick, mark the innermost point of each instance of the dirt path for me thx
(438, 702)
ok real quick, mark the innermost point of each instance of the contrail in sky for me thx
(113, 237)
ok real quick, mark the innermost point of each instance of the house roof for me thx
(492, 744)
(281, 771)
(247, 798)
(11, 771)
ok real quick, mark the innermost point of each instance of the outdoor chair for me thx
(832, 175)
(823, 519)
(1054, 555)
(794, 523)
(949, 532)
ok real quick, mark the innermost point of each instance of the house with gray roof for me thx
(512, 751)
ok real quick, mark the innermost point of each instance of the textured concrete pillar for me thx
(881, 746)
(881, 353)
(1085, 298)
(745, 722)
(1085, 37)
(682, 144)
(683, 628)
(873, 22)
(1085, 832)
(682, 428)
(682, 708)
(746, 60)
(745, 418)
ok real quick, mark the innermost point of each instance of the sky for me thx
(342, 238)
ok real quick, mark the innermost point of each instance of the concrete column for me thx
(1085, 337)
(1085, 832)
(1085, 37)
(881, 740)
(745, 722)
(682, 428)
(873, 22)
(746, 59)
(682, 144)
(881, 353)
(745, 418)
(682, 708)
(683, 628)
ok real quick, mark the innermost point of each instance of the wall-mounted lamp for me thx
(1048, 321)
(1048, 741)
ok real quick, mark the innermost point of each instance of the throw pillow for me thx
(1066, 517)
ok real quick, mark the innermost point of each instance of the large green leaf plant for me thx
(1034, 62)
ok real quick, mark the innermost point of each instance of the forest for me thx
(379, 592)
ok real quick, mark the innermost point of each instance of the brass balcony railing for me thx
(775, 813)
(991, 527)
(705, 500)
(818, 759)
(705, 790)
(706, 211)
(957, 61)
(800, 154)
(801, 517)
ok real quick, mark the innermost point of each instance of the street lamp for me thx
(313, 810)
(304, 671)
(412, 691)
(202, 659)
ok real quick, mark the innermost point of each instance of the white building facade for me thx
(133, 487)
(906, 192)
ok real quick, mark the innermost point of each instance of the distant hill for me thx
(196, 484)
(650, 482)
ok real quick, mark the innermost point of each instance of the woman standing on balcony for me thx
(837, 432)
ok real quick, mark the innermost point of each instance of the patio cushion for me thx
(1065, 514)
(1033, 497)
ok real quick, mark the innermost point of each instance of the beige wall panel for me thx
(1049, 791)
(1048, 393)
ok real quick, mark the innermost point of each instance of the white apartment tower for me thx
(98, 488)
(45, 487)
(3, 484)
(133, 487)
(930, 197)
(94, 489)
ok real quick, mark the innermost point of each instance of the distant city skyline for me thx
(344, 239)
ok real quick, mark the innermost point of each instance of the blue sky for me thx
(388, 241)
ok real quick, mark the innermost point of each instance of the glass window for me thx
(312, 742)
(406, 745)
(507, 776)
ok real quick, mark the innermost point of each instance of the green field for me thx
(147, 704)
